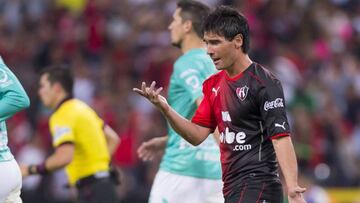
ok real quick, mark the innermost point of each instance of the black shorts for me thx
(260, 192)
(102, 190)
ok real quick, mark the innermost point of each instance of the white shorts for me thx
(172, 188)
(10, 184)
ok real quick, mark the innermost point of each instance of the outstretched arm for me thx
(62, 156)
(191, 132)
(216, 133)
(287, 159)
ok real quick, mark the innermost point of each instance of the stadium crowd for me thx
(113, 45)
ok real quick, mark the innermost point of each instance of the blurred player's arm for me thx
(14, 97)
(150, 149)
(112, 139)
(191, 132)
(285, 154)
(62, 156)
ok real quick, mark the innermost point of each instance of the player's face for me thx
(46, 92)
(222, 52)
(176, 28)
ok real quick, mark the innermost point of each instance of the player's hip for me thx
(76, 172)
(203, 169)
(97, 188)
(173, 188)
(11, 181)
(256, 191)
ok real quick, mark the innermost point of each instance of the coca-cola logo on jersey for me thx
(277, 103)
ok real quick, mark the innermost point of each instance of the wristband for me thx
(41, 169)
(38, 169)
(32, 169)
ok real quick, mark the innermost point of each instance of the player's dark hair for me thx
(228, 22)
(62, 75)
(194, 11)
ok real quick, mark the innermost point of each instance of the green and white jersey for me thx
(185, 87)
(13, 98)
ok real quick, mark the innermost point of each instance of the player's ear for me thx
(57, 86)
(238, 41)
(187, 26)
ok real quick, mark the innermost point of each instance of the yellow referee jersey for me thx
(75, 122)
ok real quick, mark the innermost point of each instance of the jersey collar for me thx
(238, 76)
(63, 101)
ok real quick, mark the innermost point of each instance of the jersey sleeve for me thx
(190, 78)
(62, 130)
(272, 108)
(204, 114)
(12, 94)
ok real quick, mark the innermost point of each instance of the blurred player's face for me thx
(222, 52)
(177, 29)
(46, 92)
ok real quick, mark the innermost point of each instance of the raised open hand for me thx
(152, 94)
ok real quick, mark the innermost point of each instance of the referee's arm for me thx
(112, 139)
(62, 156)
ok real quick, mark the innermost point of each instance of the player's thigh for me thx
(173, 188)
(269, 192)
(165, 188)
(105, 191)
(212, 191)
(11, 185)
(14, 196)
(101, 191)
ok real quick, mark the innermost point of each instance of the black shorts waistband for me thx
(92, 178)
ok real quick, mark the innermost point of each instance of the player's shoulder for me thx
(192, 58)
(214, 79)
(4, 69)
(70, 108)
(262, 75)
(181, 64)
(72, 104)
(2, 63)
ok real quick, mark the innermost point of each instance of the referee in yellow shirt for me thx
(83, 143)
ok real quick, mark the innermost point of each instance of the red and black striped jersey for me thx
(249, 111)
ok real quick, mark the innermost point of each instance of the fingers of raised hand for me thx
(143, 86)
(157, 92)
(152, 86)
(150, 92)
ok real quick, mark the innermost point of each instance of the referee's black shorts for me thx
(258, 192)
(94, 189)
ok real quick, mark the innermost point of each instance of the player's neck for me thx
(59, 99)
(191, 42)
(239, 66)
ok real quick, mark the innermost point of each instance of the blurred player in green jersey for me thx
(187, 173)
(13, 98)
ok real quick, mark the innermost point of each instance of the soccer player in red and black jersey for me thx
(246, 102)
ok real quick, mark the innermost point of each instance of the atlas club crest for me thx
(242, 92)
